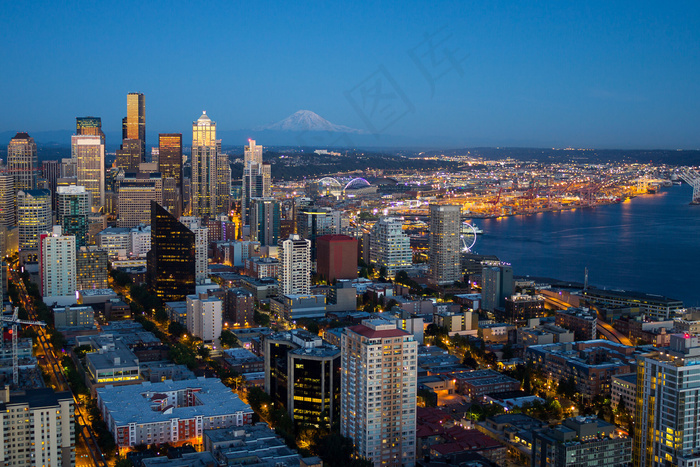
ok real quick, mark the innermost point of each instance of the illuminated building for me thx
(295, 270)
(136, 192)
(201, 244)
(73, 206)
(211, 174)
(256, 178)
(57, 264)
(134, 127)
(33, 217)
(8, 214)
(302, 373)
(238, 307)
(49, 439)
(315, 222)
(337, 257)
(89, 126)
(582, 321)
(170, 166)
(89, 154)
(667, 420)
(22, 161)
(51, 171)
(445, 264)
(265, 221)
(129, 156)
(170, 411)
(390, 247)
(378, 392)
(171, 260)
(92, 268)
(204, 317)
(496, 285)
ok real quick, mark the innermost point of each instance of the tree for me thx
(336, 450)
(261, 319)
(176, 329)
(228, 339)
(508, 351)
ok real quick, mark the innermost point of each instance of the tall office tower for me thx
(57, 264)
(69, 168)
(314, 222)
(201, 246)
(134, 124)
(378, 392)
(204, 317)
(92, 268)
(256, 178)
(390, 247)
(496, 284)
(171, 260)
(8, 209)
(72, 212)
(445, 265)
(89, 153)
(170, 164)
(302, 374)
(91, 126)
(136, 191)
(49, 439)
(33, 217)
(211, 174)
(667, 420)
(265, 221)
(51, 171)
(129, 156)
(337, 257)
(22, 161)
(295, 270)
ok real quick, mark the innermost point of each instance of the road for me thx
(52, 366)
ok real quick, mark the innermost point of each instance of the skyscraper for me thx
(136, 191)
(89, 154)
(34, 217)
(92, 268)
(129, 156)
(91, 126)
(390, 247)
(72, 212)
(201, 246)
(256, 178)
(445, 265)
(170, 164)
(667, 420)
(204, 317)
(313, 222)
(171, 260)
(496, 284)
(337, 257)
(22, 161)
(295, 270)
(57, 274)
(265, 221)
(211, 173)
(8, 208)
(378, 392)
(133, 148)
(51, 171)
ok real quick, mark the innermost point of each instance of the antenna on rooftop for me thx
(585, 278)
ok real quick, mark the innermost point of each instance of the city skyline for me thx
(516, 76)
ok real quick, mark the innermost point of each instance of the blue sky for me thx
(502, 73)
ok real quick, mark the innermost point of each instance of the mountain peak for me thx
(306, 120)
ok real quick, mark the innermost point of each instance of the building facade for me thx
(390, 247)
(22, 162)
(204, 317)
(265, 221)
(57, 264)
(337, 257)
(170, 166)
(211, 174)
(295, 267)
(89, 154)
(445, 263)
(136, 192)
(33, 217)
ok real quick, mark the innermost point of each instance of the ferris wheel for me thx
(467, 236)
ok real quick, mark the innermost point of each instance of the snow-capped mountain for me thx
(306, 120)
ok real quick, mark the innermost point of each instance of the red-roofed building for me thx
(336, 257)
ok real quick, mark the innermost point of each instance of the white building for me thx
(204, 317)
(125, 242)
(295, 268)
(72, 200)
(389, 246)
(89, 153)
(140, 241)
(201, 242)
(378, 392)
(41, 421)
(57, 264)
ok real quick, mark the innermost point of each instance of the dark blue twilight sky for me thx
(622, 74)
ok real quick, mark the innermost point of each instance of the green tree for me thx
(261, 319)
(228, 339)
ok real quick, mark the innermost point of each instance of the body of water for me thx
(648, 244)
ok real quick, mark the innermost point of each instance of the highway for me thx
(52, 366)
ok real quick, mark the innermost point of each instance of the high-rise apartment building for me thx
(136, 191)
(313, 222)
(92, 268)
(22, 161)
(256, 178)
(57, 264)
(171, 260)
(201, 246)
(89, 154)
(667, 420)
(378, 392)
(74, 204)
(170, 165)
(496, 284)
(445, 265)
(8, 207)
(211, 173)
(295, 269)
(204, 317)
(390, 247)
(265, 221)
(49, 439)
(33, 217)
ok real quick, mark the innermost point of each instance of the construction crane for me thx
(15, 321)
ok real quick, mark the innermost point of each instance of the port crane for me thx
(15, 321)
(692, 178)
